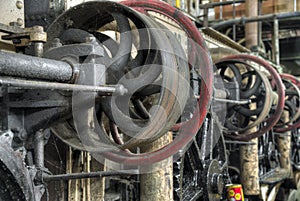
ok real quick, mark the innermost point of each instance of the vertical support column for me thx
(83, 185)
(205, 14)
(249, 153)
(197, 8)
(221, 11)
(182, 6)
(249, 167)
(251, 31)
(69, 170)
(158, 185)
(233, 26)
(275, 42)
(88, 181)
(259, 28)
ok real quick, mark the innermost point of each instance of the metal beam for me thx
(268, 17)
(84, 175)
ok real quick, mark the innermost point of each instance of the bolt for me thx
(56, 43)
(19, 4)
(20, 22)
(69, 23)
(90, 39)
(47, 134)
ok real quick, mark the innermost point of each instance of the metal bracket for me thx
(24, 36)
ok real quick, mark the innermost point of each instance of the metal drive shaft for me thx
(25, 66)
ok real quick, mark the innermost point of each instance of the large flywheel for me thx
(154, 71)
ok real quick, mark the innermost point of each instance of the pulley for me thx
(145, 57)
(248, 72)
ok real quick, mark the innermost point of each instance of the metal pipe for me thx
(39, 149)
(84, 175)
(197, 8)
(239, 142)
(243, 20)
(20, 65)
(221, 10)
(182, 4)
(222, 3)
(275, 42)
(259, 29)
(238, 102)
(205, 14)
(30, 84)
(234, 26)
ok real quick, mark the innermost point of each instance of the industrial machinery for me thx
(113, 78)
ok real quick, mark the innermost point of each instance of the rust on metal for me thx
(250, 167)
